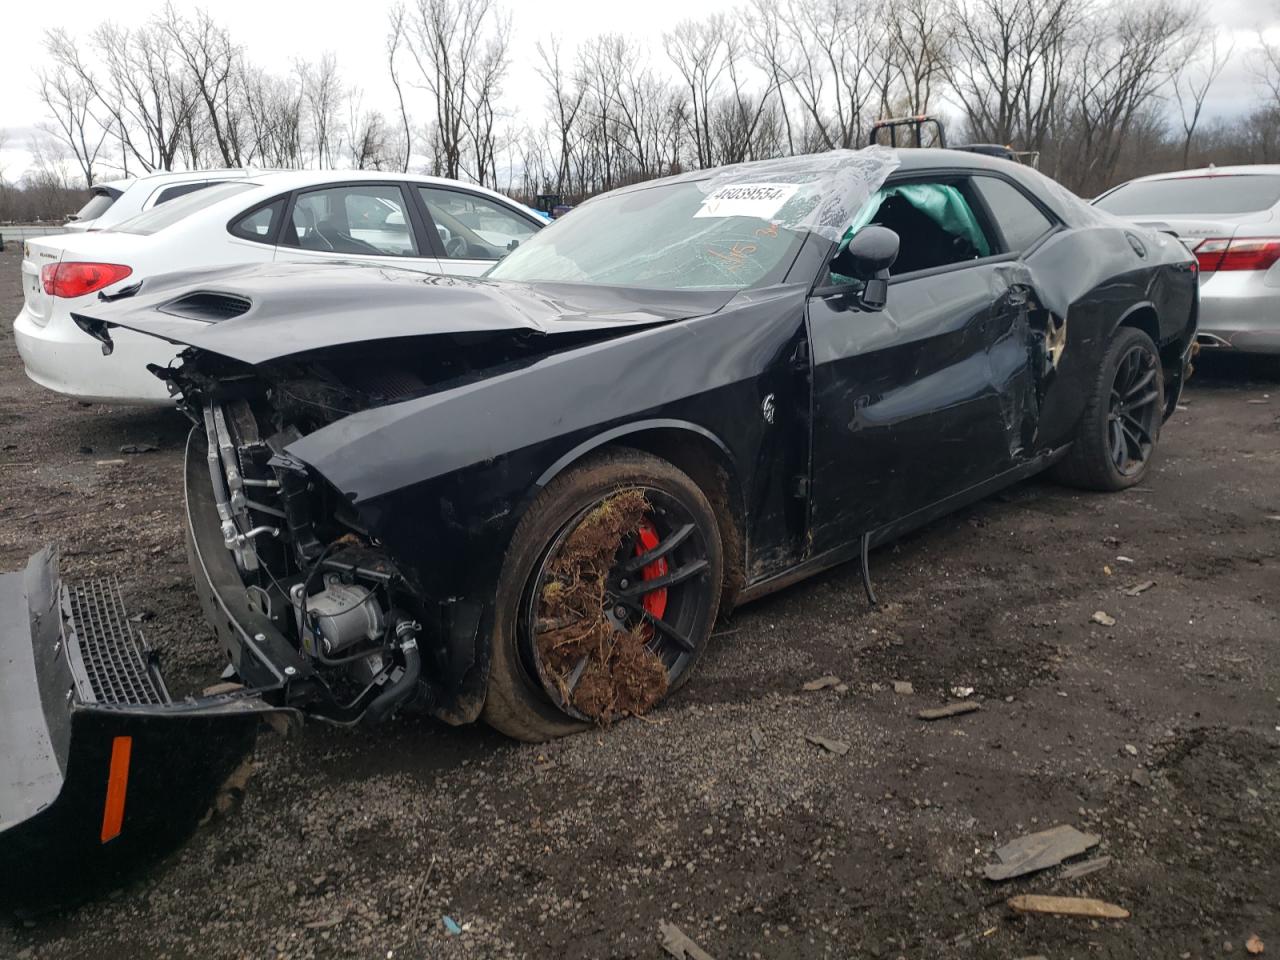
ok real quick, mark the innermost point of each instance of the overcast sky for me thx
(275, 33)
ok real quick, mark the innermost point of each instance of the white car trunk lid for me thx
(104, 247)
(35, 255)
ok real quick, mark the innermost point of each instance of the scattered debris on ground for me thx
(678, 945)
(903, 687)
(139, 448)
(616, 673)
(950, 710)
(1254, 945)
(822, 683)
(1139, 588)
(1067, 907)
(961, 692)
(1085, 867)
(232, 790)
(1039, 851)
(838, 747)
(1104, 618)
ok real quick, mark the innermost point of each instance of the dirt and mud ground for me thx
(1160, 733)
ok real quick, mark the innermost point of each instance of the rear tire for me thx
(1120, 426)
(520, 702)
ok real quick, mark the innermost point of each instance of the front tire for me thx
(578, 637)
(1121, 423)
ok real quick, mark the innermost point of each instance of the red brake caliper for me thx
(655, 601)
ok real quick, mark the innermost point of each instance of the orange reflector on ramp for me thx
(117, 785)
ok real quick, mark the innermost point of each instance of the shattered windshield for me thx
(729, 229)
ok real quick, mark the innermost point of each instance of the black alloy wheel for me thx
(659, 585)
(606, 599)
(1135, 408)
(1123, 412)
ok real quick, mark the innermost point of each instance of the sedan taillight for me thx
(72, 279)
(1244, 253)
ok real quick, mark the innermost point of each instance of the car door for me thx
(933, 395)
(363, 222)
(472, 231)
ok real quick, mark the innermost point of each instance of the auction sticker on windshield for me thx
(761, 200)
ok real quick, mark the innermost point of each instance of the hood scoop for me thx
(207, 306)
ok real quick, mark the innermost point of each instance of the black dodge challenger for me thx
(525, 498)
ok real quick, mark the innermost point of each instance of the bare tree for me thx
(1007, 65)
(146, 96)
(460, 50)
(1265, 63)
(209, 57)
(1132, 54)
(67, 98)
(565, 98)
(769, 50)
(366, 137)
(1192, 83)
(921, 35)
(479, 118)
(320, 94)
(395, 39)
(699, 49)
(837, 54)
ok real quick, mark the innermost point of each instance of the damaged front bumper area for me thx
(100, 769)
(310, 616)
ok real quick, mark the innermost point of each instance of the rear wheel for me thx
(1121, 423)
(606, 599)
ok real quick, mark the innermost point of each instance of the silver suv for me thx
(1230, 218)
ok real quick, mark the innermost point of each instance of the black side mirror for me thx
(868, 257)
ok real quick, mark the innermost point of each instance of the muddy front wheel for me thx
(607, 597)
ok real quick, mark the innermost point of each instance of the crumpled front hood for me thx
(294, 308)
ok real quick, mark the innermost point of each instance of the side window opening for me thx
(259, 224)
(472, 227)
(357, 220)
(936, 223)
(181, 190)
(1020, 221)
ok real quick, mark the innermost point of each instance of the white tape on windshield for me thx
(759, 200)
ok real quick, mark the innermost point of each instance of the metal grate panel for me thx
(112, 659)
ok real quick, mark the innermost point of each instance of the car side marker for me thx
(117, 785)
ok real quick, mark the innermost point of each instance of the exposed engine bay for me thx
(309, 567)
(307, 564)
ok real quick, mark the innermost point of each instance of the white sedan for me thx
(422, 223)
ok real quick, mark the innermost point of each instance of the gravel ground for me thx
(1160, 733)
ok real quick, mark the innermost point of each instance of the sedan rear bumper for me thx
(1240, 312)
(59, 356)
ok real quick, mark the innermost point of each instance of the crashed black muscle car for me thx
(527, 497)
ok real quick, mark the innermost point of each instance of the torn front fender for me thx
(100, 771)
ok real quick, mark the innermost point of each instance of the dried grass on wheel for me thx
(622, 676)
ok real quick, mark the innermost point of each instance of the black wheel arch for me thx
(698, 452)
